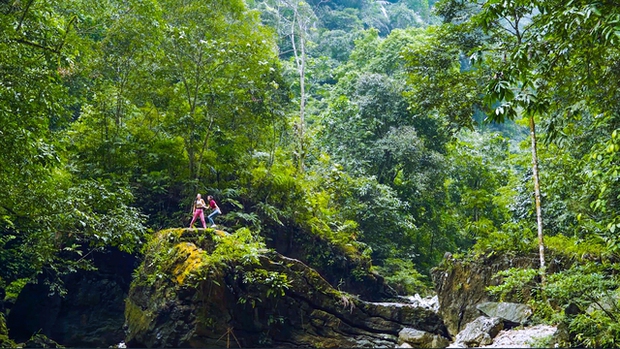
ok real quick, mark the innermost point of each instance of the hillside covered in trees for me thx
(371, 140)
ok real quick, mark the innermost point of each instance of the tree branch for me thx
(64, 37)
(34, 44)
(21, 20)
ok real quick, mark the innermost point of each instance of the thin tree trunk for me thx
(541, 246)
(204, 147)
(302, 106)
(300, 60)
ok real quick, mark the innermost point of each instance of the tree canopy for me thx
(395, 131)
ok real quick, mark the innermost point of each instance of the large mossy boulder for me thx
(203, 288)
(91, 314)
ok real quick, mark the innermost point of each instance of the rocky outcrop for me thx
(479, 332)
(421, 339)
(200, 289)
(461, 284)
(91, 314)
(514, 313)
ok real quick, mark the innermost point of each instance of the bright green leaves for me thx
(584, 297)
(439, 82)
(604, 175)
(220, 71)
(479, 185)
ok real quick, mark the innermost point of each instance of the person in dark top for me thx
(215, 210)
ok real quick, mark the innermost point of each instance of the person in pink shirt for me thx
(215, 212)
(198, 209)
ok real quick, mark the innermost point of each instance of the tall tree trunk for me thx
(541, 246)
(300, 60)
(302, 103)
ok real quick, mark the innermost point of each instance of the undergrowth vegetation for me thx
(584, 296)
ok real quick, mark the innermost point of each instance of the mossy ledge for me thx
(198, 288)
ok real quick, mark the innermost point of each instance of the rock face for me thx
(479, 332)
(185, 295)
(512, 312)
(90, 315)
(460, 285)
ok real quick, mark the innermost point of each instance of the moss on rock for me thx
(190, 260)
(138, 318)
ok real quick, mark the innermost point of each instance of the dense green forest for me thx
(398, 130)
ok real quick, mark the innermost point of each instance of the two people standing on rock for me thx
(200, 206)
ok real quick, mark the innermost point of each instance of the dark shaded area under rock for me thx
(90, 315)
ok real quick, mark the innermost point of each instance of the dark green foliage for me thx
(403, 276)
(48, 216)
(5, 342)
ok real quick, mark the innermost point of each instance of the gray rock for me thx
(606, 302)
(421, 339)
(479, 332)
(413, 336)
(526, 337)
(461, 285)
(513, 312)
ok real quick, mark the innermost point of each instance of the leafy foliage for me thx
(114, 115)
(403, 276)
